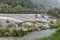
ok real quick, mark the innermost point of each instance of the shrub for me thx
(52, 26)
(42, 27)
(14, 33)
(30, 28)
(55, 25)
(4, 32)
(18, 33)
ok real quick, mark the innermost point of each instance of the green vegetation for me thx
(7, 21)
(55, 35)
(14, 33)
(4, 32)
(54, 12)
(55, 25)
(17, 6)
(18, 33)
(30, 28)
(27, 6)
(48, 3)
(52, 26)
(42, 27)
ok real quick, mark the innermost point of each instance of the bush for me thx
(30, 28)
(18, 33)
(52, 26)
(55, 25)
(4, 32)
(15, 33)
(42, 27)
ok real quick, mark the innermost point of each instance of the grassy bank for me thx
(6, 32)
(55, 35)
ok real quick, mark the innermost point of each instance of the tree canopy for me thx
(18, 6)
(55, 12)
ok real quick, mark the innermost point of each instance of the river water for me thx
(32, 36)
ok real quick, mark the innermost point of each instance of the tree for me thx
(54, 12)
(19, 6)
(5, 7)
(7, 21)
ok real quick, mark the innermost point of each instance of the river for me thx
(32, 36)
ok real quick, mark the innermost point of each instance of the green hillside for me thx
(48, 3)
(27, 6)
(19, 6)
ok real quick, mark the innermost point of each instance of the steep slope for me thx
(48, 3)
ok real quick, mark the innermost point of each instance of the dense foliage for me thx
(55, 12)
(55, 35)
(17, 6)
(14, 33)
(4, 32)
(17, 33)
